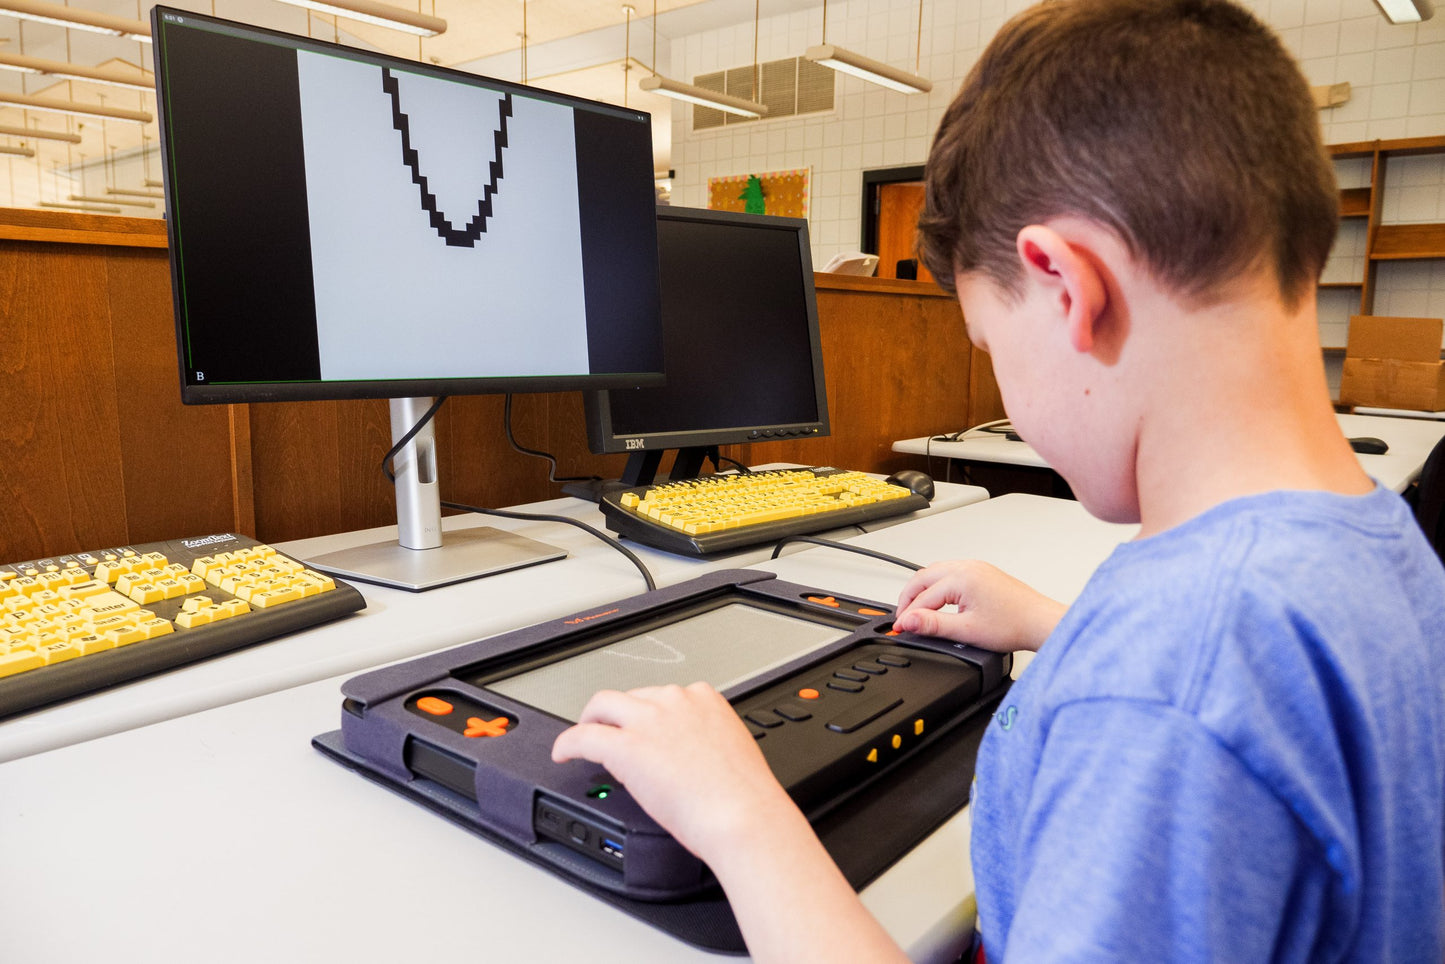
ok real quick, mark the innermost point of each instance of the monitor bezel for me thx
(337, 390)
(603, 439)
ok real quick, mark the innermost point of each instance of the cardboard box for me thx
(1394, 363)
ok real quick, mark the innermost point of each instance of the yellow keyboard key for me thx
(59, 651)
(124, 635)
(91, 643)
(156, 627)
(191, 618)
(19, 662)
(146, 593)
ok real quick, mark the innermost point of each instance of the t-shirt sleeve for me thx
(1146, 840)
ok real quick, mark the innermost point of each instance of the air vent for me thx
(793, 86)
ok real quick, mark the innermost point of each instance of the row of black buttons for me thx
(843, 681)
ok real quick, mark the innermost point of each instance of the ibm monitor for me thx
(345, 224)
(741, 346)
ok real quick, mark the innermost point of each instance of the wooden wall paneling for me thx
(480, 467)
(985, 403)
(898, 208)
(243, 493)
(364, 496)
(176, 459)
(896, 363)
(296, 467)
(61, 484)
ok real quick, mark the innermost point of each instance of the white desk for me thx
(396, 624)
(1410, 441)
(1399, 413)
(223, 836)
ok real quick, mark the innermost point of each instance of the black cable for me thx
(543, 517)
(883, 556)
(551, 460)
(503, 513)
(718, 458)
(420, 424)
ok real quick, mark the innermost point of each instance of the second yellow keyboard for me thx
(719, 513)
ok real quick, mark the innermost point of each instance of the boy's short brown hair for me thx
(1181, 125)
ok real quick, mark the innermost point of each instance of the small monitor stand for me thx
(421, 557)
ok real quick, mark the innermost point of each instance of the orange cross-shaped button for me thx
(476, 726)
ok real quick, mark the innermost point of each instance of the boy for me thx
(1233, 745)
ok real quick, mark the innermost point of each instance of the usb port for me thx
(611, 848)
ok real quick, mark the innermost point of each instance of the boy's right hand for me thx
(995, 610)
(686, 757)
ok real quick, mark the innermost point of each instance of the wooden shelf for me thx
(1355, 202)
(1413, 145)
(1340, 284)
(1399, 242)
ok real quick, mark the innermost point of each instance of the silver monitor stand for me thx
(421, 558)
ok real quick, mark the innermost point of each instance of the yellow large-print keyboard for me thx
(78, 622)
(721, 513)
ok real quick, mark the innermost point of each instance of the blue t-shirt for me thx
(1232, 748)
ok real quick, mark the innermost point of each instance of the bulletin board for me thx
(783, 193)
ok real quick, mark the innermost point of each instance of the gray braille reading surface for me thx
(722, 646)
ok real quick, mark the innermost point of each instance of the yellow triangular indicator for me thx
(873, 755)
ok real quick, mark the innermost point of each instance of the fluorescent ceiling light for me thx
(27, 102)
(1405, 11)
(830, 55)
(39, 133)
(377, 14)
(59, 68)
(105, 208)
(127, 192)
(39, 11)
(18, 151)
(112, 200)
(657, 84)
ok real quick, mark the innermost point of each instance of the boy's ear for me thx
(1066, 276)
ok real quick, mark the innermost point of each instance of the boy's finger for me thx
(611, 707)
(585, 741)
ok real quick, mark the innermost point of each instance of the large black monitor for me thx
(740, 333)
(345, 224)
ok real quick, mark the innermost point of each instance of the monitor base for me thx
(464, 554)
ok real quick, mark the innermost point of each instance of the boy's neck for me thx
(1240, 407)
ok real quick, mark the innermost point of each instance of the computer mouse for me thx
(919, 483)
(1369, 445)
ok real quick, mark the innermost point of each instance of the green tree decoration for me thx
(752, 196)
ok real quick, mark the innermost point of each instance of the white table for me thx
(1399, 413)
(223, 836)
(397, 624)
(1410, 442)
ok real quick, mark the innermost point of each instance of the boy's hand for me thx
(995, 610)
(685, 757)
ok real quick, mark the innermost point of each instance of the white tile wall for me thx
(1396, 74)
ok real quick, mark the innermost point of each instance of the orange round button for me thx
(434, 705)
(808, 693)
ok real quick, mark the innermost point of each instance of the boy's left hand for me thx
(685, 757)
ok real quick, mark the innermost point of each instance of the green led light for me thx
(600, 791)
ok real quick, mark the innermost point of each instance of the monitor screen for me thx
(722, 647)
(740, 335)
(345, 224)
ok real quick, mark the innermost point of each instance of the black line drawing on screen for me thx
(466, 237)
(668, 654)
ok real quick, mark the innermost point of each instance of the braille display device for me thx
(834, 696)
